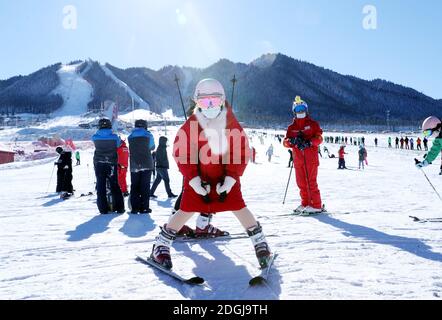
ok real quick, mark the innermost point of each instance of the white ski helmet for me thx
(210, 97)
(209, 87)
(431, 125)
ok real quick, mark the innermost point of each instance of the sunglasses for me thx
(210, 102)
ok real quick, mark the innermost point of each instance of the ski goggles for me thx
(210, 102)
(300, 108)
(428, 133)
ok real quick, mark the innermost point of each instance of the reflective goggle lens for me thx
(299, 109)
(209, 102)
(428, 133)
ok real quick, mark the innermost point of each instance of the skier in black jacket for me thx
(64, 173)
(162, 166)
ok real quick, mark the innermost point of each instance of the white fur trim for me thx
(215, 131)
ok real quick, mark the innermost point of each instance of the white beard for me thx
(215, 131)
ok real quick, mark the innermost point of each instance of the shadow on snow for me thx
(138, 226)
(226, 279)
(411, 245)
(97, 224)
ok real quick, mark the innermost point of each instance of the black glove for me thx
(296, 141)
(307, 144)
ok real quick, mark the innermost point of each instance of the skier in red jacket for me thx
(123, 164)
(304, 137)
(212, 152)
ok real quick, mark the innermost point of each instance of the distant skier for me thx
(407, 141)
(425, 141)
(376, 142)
(342, 154)
(419, 144)
(291, 158)
(402, 142)
(432, 128)
(304, 137)
(397, 143)
(362, 153)
(141, 144)
(162, 168)
(269, 153)
(390, 142)
(106, 167)
(64, 173)
(123, 165)
(253, 155)
(211, 177)
(411, 144)
(77, 157)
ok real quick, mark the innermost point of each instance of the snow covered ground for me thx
(51, 249)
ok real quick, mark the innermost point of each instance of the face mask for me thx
(301, 115)
(211, 113)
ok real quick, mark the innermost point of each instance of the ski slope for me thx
(75, 91)
(64, 250)
(143, 104)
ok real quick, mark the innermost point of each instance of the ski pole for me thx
(234, 81)
(50, 180)
(178, 201)
(417, 161)
(177, 80)
(288, 183)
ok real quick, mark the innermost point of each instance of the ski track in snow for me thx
(130, 92)
(52, 249)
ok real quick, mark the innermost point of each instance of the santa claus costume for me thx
(211, 150)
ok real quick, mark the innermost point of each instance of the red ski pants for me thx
(122, 179)
(306, 178)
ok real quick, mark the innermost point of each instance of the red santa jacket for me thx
(199, 151)
(123, 155)
(312, 132)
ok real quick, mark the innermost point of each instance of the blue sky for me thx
(405, 48)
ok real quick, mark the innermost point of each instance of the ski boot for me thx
(186, 232)
(259, 241)
(161, 248)
(310, 211)
(299, 210)
(65, 195)
(205, 230)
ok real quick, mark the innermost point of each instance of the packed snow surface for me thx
(53, 249)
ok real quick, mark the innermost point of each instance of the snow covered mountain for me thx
(265, 90)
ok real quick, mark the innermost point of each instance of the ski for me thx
(264, 274)
(221, 238)
(424, 220)
(86, 194)
(150, 262)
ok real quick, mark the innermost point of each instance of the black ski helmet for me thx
(141, 124)
(104, 123)
(59, 150)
